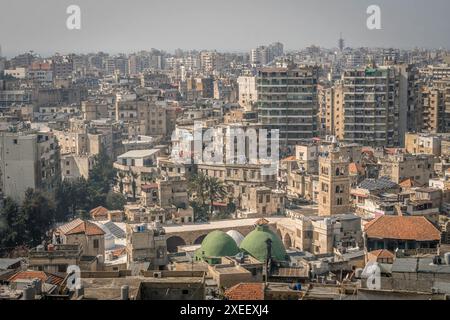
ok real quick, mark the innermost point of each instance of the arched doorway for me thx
(279, 234)
(287, 241)
(173, 242)
(200, 239)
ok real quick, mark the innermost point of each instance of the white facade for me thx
(247, 92)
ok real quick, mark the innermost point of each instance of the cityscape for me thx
(271, 173)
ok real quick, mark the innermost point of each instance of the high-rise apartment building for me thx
(435, 104)
(369, 107)
(287, 100)
(263, 55)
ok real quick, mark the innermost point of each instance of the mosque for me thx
(262, 244)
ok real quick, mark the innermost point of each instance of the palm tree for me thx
(198, 187)
(216, 190)
(121, 175)
(134, 176)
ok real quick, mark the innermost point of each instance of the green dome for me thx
(255, 244)
(217, 244)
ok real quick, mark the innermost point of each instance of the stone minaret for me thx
(334, 184)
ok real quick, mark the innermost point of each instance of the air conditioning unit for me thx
(157, 274)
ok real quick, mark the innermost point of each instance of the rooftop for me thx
(139, 153)
(402, 227)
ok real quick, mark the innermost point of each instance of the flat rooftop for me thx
(139, 153)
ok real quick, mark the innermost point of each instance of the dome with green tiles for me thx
(217, 244)
(255, 244)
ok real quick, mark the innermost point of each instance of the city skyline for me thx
(139, 25)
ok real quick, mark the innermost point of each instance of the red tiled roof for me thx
(219, 204)
(409, 183)
(43, 276)
(403, 228)
(80, 226)
(246, 291)
(99, 211)
(119, 252)
(382, 254)
(290, 158)
(88, 228)
(355, 168)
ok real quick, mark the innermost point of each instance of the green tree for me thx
(103, 173)
(197, 187)
(12, 227)
(115, 201)
(71, 196)
(205, 189)
(39, 213)
(216, 191)
(200, 212)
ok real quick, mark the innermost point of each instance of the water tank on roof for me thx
(28, 293)
(447, 258)
(124, 292)
(437, 260)
(37, 284)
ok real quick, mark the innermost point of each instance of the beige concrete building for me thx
(138, 166)
(247, 92)
(239, 178)
(400, 167)
(54, 258)
(84, 233)
(417, 143)
(142, 117)
(433, 103)
(321, 235)
(146, 243)
(28, 160)
(93, 110)
(262, 202)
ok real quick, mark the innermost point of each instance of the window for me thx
(96, 244)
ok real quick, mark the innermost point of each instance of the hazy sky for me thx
(226, 25)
